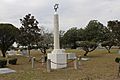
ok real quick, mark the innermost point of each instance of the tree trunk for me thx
(29, 52)
(108, 51)
(85, 53)
(43, 50)
(44, 58)
(75, 46)
(3, 53)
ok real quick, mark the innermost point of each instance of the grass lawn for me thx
(101, 66)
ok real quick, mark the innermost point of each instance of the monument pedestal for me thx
(58, 59)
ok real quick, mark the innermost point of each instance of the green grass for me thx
(101, 66)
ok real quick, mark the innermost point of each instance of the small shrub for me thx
(117, 60)
(13, 61)
(3, 63)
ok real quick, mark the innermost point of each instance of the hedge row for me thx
(3, 62)
(117, 60)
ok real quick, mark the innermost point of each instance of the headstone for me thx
(11, 52)
(33, 62)
(48, 65)
(71, 56)
(119, 52)
(24, 52)
(76, 63)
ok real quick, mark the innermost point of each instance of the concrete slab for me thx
(85, 59)
(6, 70)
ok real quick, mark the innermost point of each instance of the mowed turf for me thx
(101, 66)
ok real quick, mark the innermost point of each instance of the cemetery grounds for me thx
(100, 66)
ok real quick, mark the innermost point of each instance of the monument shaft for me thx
(56, 31)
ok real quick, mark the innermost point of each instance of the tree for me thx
(70, 37)
(29, 32)
(94, 31)
(46, 42)
(108, 45)
(109, 40)
(8, 35)
(81, 34)
(91, 36)
(114, 27)
(87, 46)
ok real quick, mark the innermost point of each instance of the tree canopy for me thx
(94, 31)
(114, 27)
(8, 35)
(70, 37)
(108, 45)
(87, 46)
(29, 31)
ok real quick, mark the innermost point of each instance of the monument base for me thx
(58, 59)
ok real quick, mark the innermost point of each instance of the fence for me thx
(48, 64)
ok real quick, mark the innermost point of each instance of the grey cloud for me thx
(73, 13)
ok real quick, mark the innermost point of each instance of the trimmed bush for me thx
(3, 63)
(13, 61)
(117, 60)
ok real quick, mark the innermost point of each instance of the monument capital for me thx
(56, 7)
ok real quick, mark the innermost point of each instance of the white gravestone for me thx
(71, 56)
(11, 52)
(24, 52)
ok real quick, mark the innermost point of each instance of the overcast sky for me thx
(72, 13)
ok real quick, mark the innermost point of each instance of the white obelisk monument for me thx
(58, 57)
